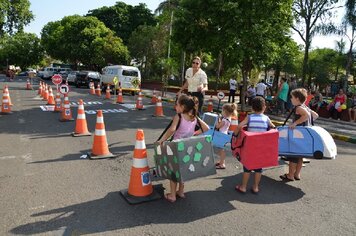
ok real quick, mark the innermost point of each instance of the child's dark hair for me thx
(230, 108)
(300, 93)
(258, 103)
(189, 103)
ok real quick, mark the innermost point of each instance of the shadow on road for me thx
(113, 213)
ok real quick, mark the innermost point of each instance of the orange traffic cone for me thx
(5, 105)
(100, 146)
(120, 98)
(6, 90)
(43, 90)
(50, 97)
(154, 97)
(92, 88)
(139, 103)
(40, 89)
(107, 92)
(98, 90)
(210, 105)
(28, 85)
(58, 103)
(159, 108)
(66, 114)
(81, 127)
(140, 186)
(45, 94)
(234, 123)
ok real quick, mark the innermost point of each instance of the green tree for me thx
(310, 16)
(22, 49)
(77, 39)
(322, 65)
(14, 16)
(123, 19)
(244, 31)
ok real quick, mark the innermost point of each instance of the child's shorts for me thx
(255, 170)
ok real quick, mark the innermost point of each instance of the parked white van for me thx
(129, 77)
(48, 72)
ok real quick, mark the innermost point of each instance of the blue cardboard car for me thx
(306, 141)
(219, 139)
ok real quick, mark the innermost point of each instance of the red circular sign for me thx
(57, 79)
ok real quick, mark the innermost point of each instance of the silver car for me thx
(71, 77)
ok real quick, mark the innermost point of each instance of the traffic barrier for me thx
(58, 103)
(50, 97)
(66, 114)
(107, 92)
(120, 98)
(98, 90)
(234, 123)
(81, 126)
(100, 147)
(140, 185)
(28, 85)
(210, 104)
(5, 105)
(159, 108)
(139, 103)
(92, 88)
(154, 97)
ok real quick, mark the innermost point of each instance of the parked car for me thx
(27, 72)
(64, 72)
(83, 78)
(72, 76)
(48, 72)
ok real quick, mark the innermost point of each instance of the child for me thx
(302, 117)
(188, 108)
(257, 122)
(228, 110)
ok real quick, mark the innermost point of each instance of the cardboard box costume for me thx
(256, 150)
(185, 159)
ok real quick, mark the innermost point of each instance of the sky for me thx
(53, 10)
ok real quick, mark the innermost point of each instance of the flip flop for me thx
(237, 188)
(220, 167)
(180, 195)
(285, 178)
(254, 192)
(166, 196)
(296, 178)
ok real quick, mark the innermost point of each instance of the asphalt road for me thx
(47, 189)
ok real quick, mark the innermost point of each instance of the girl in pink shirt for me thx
(188, 119)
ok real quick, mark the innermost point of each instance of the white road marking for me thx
(7, 157)
(21, 120)
(36, 208)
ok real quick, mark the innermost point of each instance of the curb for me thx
(334, 135)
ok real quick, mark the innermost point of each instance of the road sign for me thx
(115, 80)
(64, 89)
(220, 95)
(57, 79)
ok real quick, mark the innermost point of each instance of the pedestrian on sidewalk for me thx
(261, 89)
(335, 107)
(233, 84)
(352, 108)
(196, 81)
(282, 96)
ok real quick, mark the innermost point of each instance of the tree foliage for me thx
(14, 16)
(77, 39)
(310, 16)
(123, 19)
(245, 31)
(22, 49)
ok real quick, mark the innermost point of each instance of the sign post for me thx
(220, 96)
(57, 80)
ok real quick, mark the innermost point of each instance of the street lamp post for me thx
(7, 63)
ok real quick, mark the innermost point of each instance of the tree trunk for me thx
(305, 62)
(277, 72)
(246, 68)
(349, 62)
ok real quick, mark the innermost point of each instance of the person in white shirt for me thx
(233, 84)
(261, 89)
(196, 81)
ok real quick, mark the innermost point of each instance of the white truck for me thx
(48, 72)
(128, 77)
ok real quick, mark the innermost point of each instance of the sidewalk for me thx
(340, 130)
